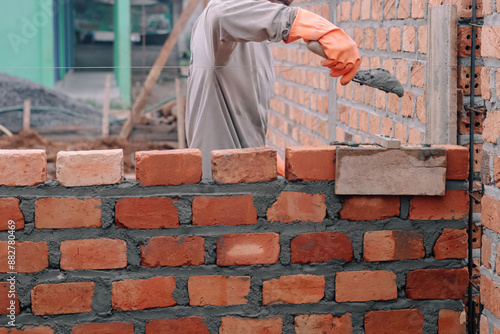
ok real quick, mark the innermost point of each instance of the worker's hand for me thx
(342, 52)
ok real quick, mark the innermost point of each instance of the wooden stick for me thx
(105, 108)
(26, 115)
(150, 82)
(181, 135)
(5, 130)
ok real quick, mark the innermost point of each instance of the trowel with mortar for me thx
(375, 77)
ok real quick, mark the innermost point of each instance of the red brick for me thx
(370, 207)
(491, 131)
(449, 322)
(244, 165)
(321, 247)
(93, 254)
(496, 170)
(389, 9)
(323, 323)
(192, 325)
(232, 325)
(486, 252)
(140, 294)
(381, 38)
(218, 290)
(23, 168)
(457, 158)
(62, 298)
(248, 249)
(453, 205)
(295, 206)
(409, 36)
(297, 289)
(168, 168)
(483, 325)
(67, 213)
(464, 41)
(27, 330)
(490, 214)
(224, 210)
(408, 321)
(393, 245)
(108, 328)
(31, 257)
(437, 283)
(490, 42)
(173, 251)
(395, 39)
(146, 212)
(451, 244)
(308, 163)
(9, 210)
(362, 286)
(9, 301)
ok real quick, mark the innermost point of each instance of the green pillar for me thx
(122, 48)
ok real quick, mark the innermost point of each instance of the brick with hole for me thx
(93, 254)
(451, 244)
(30, 257)
(248, 249)
(224, 210)
(408, 321)
(323, 323)
(295, 289)
(296, 206)
(232, 325)
(62, 298)
(191, 325)
(9, 301)
(453, 205)
(23, 168)
(9, 210)
(173, 251)
(28, 330)
(393, 245)
(146, 213)
(490, 214)
(307, 163)
(437, 283)
(140, 294)
(106, 328)
(449, 322)
(56, 213)
(218, 290)
(363, 286)
(321, 247)
(370, 207)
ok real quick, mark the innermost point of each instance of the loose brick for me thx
(323, 323)
(451, 244)
(9, 301)
(109, 328)
(192, 325)
(231, 325)
(218, 290)
(321, 247)
(93, 254)
(27, 330)
(62, 298)
(295, 206)
(393, 245)
(453, 205)
(362, 286)
(370, 207)
(486, 252)
(67, 213)
(173, 251)
(297, 289)
(168, 168)
(437, 283)
(224, 210)
(244, 165)
(449, 322)
(30, 257)
(394, 321)
(146, 212)
(23, 168)
(9, 210)
(89, 168)
(131, 295)
(307, 163)
(490, 214)
(457, 158)
(248, 249)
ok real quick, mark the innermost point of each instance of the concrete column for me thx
(122, 48)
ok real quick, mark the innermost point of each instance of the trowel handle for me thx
(315, 46)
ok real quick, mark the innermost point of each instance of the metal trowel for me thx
(375, 77)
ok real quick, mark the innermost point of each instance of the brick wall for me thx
(246, 252)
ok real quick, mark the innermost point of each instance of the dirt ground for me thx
(33, 140)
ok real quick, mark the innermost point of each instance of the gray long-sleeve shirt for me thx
(232, 74)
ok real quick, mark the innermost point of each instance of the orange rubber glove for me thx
(343, 54)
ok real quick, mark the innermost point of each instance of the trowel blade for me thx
(381, 79)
